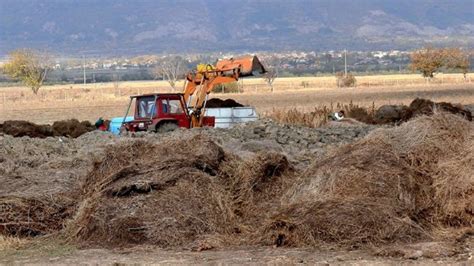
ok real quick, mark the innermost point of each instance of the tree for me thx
(455, 58)
(170, 69)
(273, 65)
(427, 60)
(270, 77)
(29, 66)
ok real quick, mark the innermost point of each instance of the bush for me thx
(348, 80)
(305, 84)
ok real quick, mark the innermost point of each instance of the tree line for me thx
(32, 67)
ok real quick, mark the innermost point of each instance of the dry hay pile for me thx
(320, 115)
(27, 217)
(67, 128)
(406, 183)
(173, 193)
(39, 180)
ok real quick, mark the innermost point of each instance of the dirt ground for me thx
(43, 252)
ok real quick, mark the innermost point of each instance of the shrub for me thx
(348, 80)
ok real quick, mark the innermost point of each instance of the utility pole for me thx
(345, 63)
(84, 68)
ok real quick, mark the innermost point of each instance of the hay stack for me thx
(32, 217)
(398, 184)
(174, 193)
(164, 194)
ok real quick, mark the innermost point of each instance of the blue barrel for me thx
(116, 123)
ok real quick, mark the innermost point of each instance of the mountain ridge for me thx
(144, 26)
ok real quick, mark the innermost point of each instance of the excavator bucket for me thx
(249, 65)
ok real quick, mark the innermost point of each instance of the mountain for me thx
(124, 27)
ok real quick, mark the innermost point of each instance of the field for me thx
(264, 192)
(109, 99)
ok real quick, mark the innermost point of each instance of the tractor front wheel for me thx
(166, 127)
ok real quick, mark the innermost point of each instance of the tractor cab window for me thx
(146, 107)
(171, 106)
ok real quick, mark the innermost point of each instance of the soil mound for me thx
(388, 114)
(399, 184)
(427, 107)
(18, 128)
(66, 128)
(218, 103)
(71, 128)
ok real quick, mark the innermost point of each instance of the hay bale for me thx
(396, 184)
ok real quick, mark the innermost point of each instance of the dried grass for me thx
(11, 242)
(26, 217)
(163, 194)
(319, 116)
(398, 184)
(401, 184)
(177, 193)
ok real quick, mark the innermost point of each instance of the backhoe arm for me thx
(201, 82)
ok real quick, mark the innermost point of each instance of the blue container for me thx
(116, 123)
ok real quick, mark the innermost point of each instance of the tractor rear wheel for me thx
(166, 127)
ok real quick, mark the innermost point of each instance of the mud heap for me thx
(400, 113)
(218, 103)
(67, 128)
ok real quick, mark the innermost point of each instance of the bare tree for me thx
(170, 69)
(116, 82)
(273, 66)
(29, 66)
(270, 77)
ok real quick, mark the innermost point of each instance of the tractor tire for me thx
(166, 127)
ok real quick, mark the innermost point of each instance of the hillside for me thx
(119, 27)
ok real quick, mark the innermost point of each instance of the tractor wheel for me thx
(123, 131)
(166, 127)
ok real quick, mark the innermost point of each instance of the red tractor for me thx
(161, 112)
